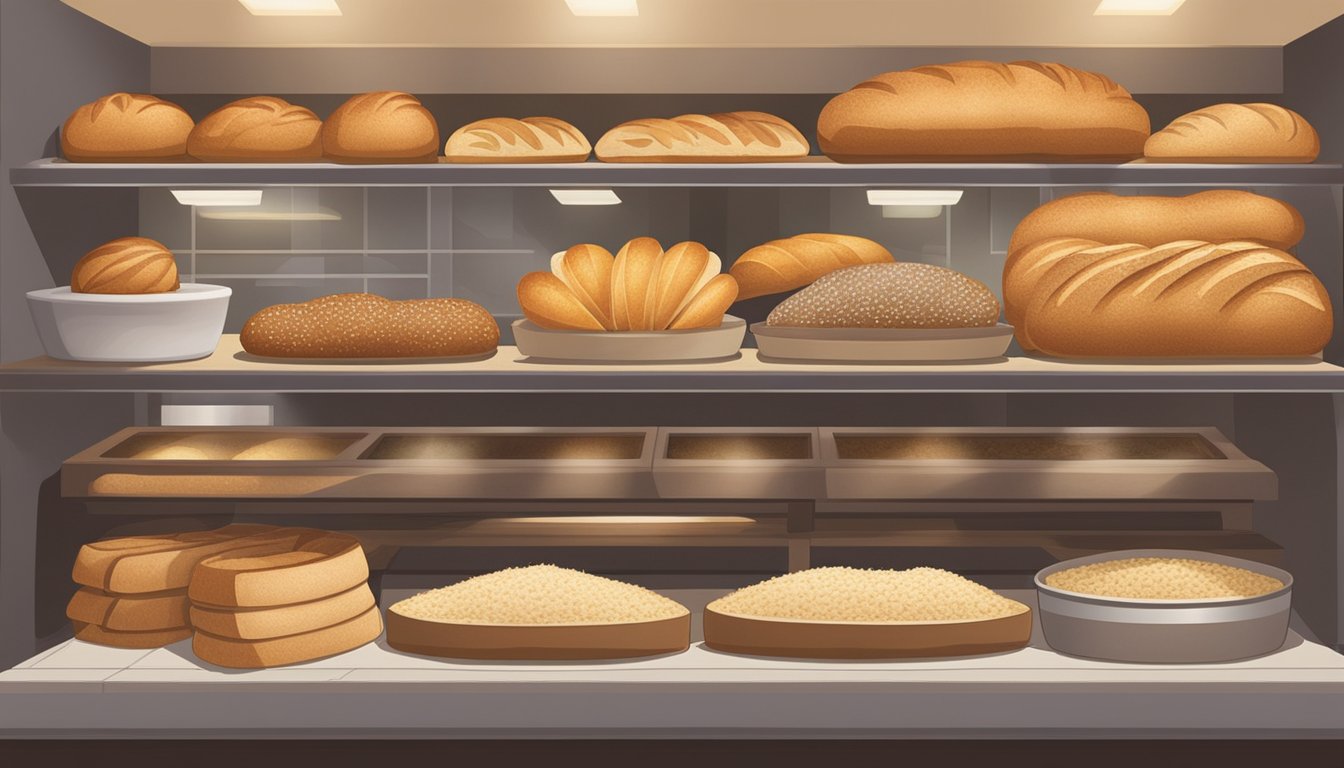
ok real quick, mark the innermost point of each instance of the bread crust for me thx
(983, 110)
(92, 633)
(793, 262)
(896, 295)
(257, 129)
(381, 127)
(506, 140)
(157, 612)
(264, 623)
(126, 127)
(725, 137)
(292, 649)
(310, 565)
(127, 265)
(1236, 133)
(131, 565)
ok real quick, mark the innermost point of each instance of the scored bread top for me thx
(124, 127)
(793, 262)
(127, 265)
(257, 128)
(899, 295)
(155, 563)
(983, 110)
(383, 126)
(1237, 133)
(506, 140)
(724, 136)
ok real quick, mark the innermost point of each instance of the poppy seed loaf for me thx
(899, 295)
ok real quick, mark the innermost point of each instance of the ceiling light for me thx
(585, 196)
(228, 215)
(1138, 7)
(216, 415)
(919, 197)
(292, 7)
(603, 7)
(218, 196)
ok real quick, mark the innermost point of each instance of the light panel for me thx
(914, 197)
(216, 415)
(229, 215)
(211, 197)
(292, 7)
(1138, 7)
(603, 7)
(585, 196)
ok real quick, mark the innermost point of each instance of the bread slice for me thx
(92, 633)
(158, 563)
(266, 623)
(309, 565)
(130, 613)
(293, 649)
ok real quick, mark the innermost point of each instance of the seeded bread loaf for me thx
(505, 140)
(381, 127)
(726, 137)
(1236, 133)
(793, 262)
(126, 265)
(889, 296)
(126, 128)
(258, 128)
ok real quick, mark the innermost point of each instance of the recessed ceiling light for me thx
(292, 7)
(218, 196)
(603, 7)
(585, 196)
(231, 215)
(1138, 7)
(917, 197)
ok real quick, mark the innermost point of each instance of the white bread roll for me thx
(1236, 133)
(727, 137)
(505, 140)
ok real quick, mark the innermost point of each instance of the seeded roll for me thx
(897, 295)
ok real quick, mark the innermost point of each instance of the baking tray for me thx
(738, 463)
(543, 344)
(1164, 631)
(559, 642)
(795, 638)
(881, 345)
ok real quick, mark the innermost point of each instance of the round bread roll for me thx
(258, 128)
(898, 295)
(126, 127)
(381, 127)
(1236, 133)
(126, 265)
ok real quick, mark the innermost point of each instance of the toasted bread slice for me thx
(266, 623)
(311, 565)
(130, 613)
(293, 649)
(139, 564)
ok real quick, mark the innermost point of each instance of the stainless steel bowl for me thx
(1164, 631)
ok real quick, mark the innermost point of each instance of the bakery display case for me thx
(572, 393)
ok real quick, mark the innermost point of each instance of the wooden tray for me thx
(858, 640)
(560, 642)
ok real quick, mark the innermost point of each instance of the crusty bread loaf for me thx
(92, 633)
(984, 110)
(280, 621)
(1220, 215)
(506, 140)
(642, 288)
(145, 564)
(362, 325)
(124, 128)
(156, 612)
(311, 565)
(1236, 133)
(793, 262)
(904, 295)
(1080, 298)
(293, 649)
(381, 127)
(126, 265)
(257, 128)
(727, 137)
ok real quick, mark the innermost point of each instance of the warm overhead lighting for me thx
(585, 196)
(217, 415)
(914, 196)
(292, 7)
(226, 215)
(603, 7)
(1138, 7)
(218, 196)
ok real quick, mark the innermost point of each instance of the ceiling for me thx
(716, 23)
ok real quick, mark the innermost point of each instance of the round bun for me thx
(381, 127)
(897, 295)
(126, 127)
(257, 128)
(1236, 133)
(126, 265)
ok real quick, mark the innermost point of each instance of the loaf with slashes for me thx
(725, 137)
(506, 140)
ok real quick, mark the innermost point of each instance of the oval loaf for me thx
(127, 265)
(793, 262)
(126, 127)
(726, 137)
(506, 140)
(257, 128)
(1236, 133)
(381, 127)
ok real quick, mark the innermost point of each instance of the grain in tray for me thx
(1164, 578)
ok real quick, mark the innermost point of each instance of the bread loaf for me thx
(505, 140)
(308, 564)
(152, 564)
(381, 127)
(1220, 215)
(727, 137)
(92, 633)
(1236, 133)
(1080, 298)
(793, 262)
(280, 621)
(256, 129)
(126, 265)
(984, 110)
(155, 612)
(889, 296)
(292, 649)
(124, 128)
(362, 325)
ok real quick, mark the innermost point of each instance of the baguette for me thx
(793, 262)
(1236, 133)
(92, 633)
(727, 137)
(127, 265)
(381, 127)
(505, 140)
(125, 128)
(147, 564)
(292, 649)
(305, 565)
(158, 612)
(258, 128)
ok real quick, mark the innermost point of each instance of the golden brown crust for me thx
(707, 307)
(156, 612)
(586, 270)
(722, 137)
(633, 282)
(506, 140)
(263, 623)
(126, 127)
(92, 633)
(983, 110)
(363, 325)
(293, 649)
(131, 565)
(127, 265)
(258, 128)
(308, 565)
(549, 303)
(381, 127)
(1236, 133)
(904, 295)
(793, 262)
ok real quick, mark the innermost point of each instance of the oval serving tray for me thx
(539, 641)
(630, 346)
(881, 345)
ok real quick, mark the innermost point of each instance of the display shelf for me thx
(230, 369)
(814, 172)
(77, 687)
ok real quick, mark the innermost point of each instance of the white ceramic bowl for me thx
(130, 328)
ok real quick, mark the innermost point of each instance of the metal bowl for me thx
(1164, 631)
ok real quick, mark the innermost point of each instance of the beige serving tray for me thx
(1010, 463)
(738, 463)
(543, 344)
(881, 345)
(553, 641)
(862, 640)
